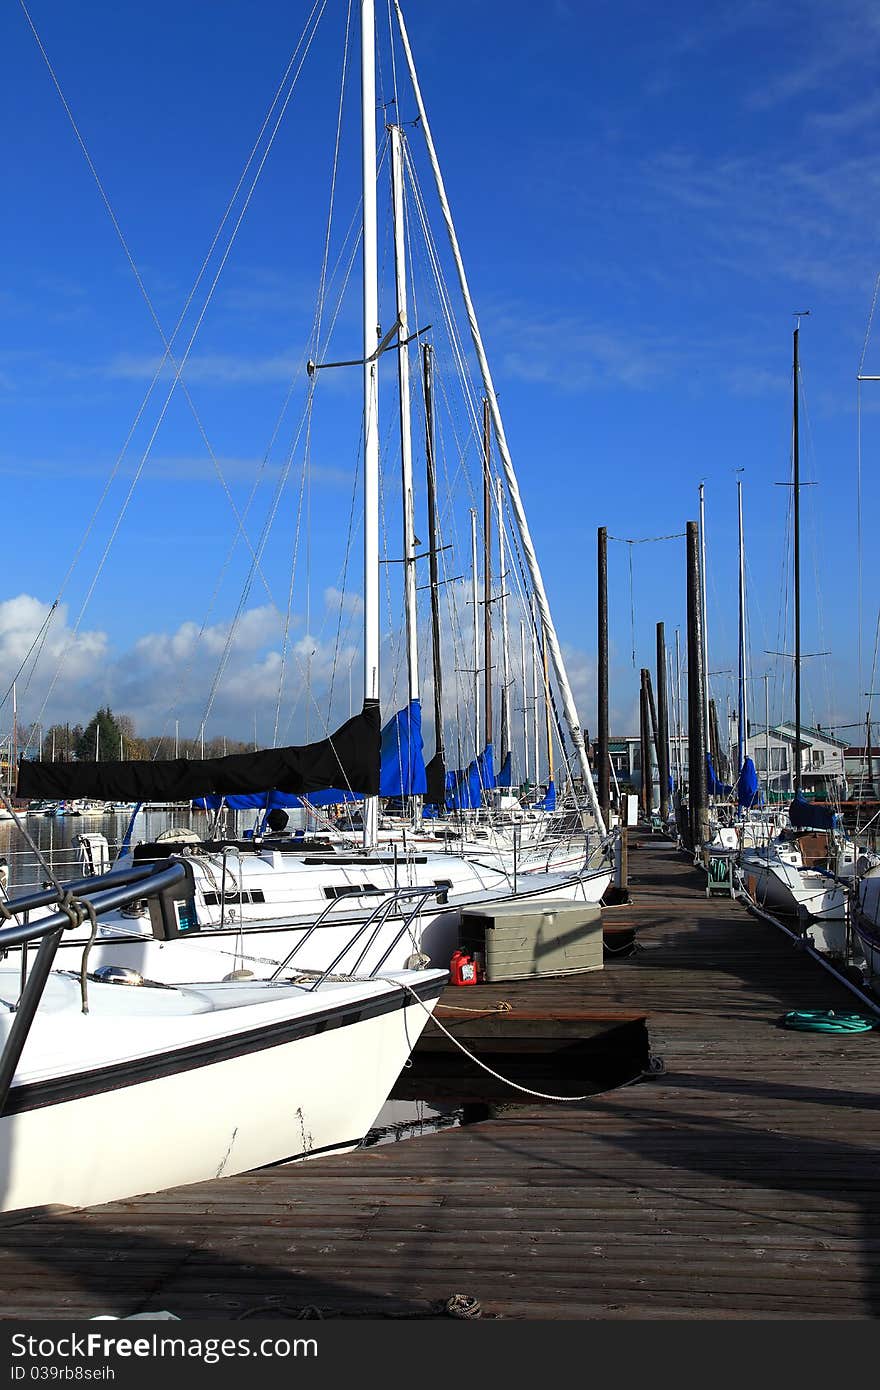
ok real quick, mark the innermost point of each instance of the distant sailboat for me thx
(793, 872)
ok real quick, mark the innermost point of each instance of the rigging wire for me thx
(179, 365)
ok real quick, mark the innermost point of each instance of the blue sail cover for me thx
(748, 791)
(252, 801)
(402, 770)
(486, 768)
(401, 773)
(713, 786)
(504, 776)
(463, 790)
(548, 801)
(806, 815)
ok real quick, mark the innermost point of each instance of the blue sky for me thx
(643, 194)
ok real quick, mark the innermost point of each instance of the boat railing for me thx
(74, 901)
(390, 901)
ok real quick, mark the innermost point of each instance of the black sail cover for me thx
(348, 759)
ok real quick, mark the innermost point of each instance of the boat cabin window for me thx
(255, 895)
(347, 890)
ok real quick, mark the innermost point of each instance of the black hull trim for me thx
(344, 1146)
(38, 1094)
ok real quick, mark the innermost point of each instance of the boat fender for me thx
(242, 974)
(419, 961)
(463, 969)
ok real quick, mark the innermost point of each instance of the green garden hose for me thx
(829, 1021)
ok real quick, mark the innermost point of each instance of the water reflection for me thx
(57, 838)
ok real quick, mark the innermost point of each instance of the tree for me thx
(100, 740)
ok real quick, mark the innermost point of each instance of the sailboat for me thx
(799, 870)
(749, 822)
(113, 1084)
(272, 896)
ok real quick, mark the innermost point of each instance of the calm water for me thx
(57, 838)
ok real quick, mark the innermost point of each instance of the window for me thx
(348, 890)
(255, 896)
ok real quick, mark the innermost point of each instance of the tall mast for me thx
(547, 710)
(602, 758)
(743, 729)
(525, 703)
(371, 384)
(797, 575)
(662, 723)
(487, 568)
(505, 636)
(531, 559)
(433, 568)
(535, 716)
(13, 771)
(678, 708)
(703, 599)
(406, 469)
(476, 608)
(766, 679)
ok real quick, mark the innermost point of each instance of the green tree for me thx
(100, 740)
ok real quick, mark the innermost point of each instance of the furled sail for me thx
(714, 786)
(350, 758)
(463, 790)
(806, 815)
(548, 800)
(486, 768)
(748, 792)
(402, 771)
(435, 777)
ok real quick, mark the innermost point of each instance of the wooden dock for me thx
(741, 1182)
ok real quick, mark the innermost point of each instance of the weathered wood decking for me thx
(742, 1182)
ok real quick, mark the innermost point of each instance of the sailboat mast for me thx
(371, 383)
(743, 739)
(678, 708)
(529, 554)
(547, 710)
(487, 569)
(505, 636)
(433, 568)
(703, 596)
(476, 608)
(796, 467)
(406, 469)
(766, 679)
(535, 714)
(525, 703)
(13, 771)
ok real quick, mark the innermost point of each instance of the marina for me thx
(417, 899)
(738, 1182)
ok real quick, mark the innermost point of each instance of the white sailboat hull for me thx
(866, 919)
(229, 1092)
(274, 915)
(795, 890)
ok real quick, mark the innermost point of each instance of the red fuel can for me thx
(463, 969)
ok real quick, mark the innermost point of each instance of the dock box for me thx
(516, 941)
